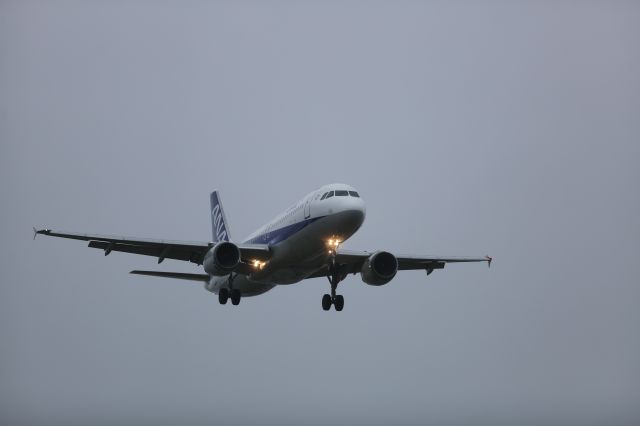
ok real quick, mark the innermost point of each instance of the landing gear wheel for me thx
(235, 296)
(334, 275)
(338, 302)
(326, 302)
(223, 296)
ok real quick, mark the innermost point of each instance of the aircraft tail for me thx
(220, 230)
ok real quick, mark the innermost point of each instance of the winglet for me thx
(489, 259)
(40, 231)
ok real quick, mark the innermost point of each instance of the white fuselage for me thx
(299, 238)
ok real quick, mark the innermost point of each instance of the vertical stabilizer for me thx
(219, 228)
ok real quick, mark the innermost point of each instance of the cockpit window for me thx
(342, 193)
(324, 196)
(354, 194)
(329, 194)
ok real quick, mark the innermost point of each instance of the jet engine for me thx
(222, 258)
(379, 268)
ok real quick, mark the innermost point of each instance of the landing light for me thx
(333, 243)
(258, 265)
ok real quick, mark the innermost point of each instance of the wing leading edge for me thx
(175, 275)
(350, 262)
(162, 249)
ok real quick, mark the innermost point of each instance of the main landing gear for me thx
(337, 300)
(229, 293)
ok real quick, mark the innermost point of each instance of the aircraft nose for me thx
(355, 215)
(349, 222)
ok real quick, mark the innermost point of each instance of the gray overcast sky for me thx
(470, 128)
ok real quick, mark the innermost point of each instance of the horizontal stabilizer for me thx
(176, 275)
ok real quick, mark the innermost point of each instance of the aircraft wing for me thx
(162, 249)
(176, 275)
(350, 262)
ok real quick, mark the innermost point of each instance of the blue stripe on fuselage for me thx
(277, 235)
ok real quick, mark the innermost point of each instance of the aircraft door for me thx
(307, 208)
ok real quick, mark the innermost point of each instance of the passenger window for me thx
(354, 194)
(342, 193)
(329, 194)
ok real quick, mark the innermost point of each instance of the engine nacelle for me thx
(221, 259)
(379, 268)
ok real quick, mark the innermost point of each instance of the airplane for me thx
(301, 243)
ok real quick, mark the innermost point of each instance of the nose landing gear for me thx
(337, 300)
